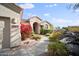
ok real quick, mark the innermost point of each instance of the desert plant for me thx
(36, 37)
(57, 49)
(55, 36)
(72, 28)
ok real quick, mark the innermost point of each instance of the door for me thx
(1, 32)
(4, 32)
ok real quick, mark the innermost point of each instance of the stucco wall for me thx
(44, 26)
(9, 13)
(14, 38)
(33, 20)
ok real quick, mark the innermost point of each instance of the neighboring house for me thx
(37, 24)
(46, 25)
(10, 15)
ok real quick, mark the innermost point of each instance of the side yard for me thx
(33, 48)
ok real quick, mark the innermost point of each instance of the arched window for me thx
(46, 27)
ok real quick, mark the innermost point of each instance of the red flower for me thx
(26, 28)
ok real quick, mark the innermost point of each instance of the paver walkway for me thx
(34, 48)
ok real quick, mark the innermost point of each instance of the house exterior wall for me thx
(45, 24)
(15, 37)
(9, 13)
(33, 20)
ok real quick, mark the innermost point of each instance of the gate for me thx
(4, 32)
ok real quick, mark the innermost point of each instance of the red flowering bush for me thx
(26, 30)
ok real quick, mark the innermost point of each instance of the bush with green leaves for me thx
(44, 31)
(72, 28)
(57, 49)
(55, 36)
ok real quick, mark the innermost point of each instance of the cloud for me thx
(50, 5)
(31, 15)
(27, 6)
(54, 4)
(46, 14)
(77, 10)
(64, 22)
(61, 21)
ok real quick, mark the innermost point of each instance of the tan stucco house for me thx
(37, 23)
(10, 16)
(46, 25)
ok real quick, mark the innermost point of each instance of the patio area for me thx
(28, 48)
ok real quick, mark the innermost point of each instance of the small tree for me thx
(55, 36)
(76, 6)
(57, 49)
(26, 30)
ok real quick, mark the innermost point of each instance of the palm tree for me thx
(76, 6)
(73, 6)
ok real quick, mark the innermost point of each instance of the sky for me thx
(58, 14)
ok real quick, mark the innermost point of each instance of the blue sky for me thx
(56, 14)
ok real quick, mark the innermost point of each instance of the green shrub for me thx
(72, 28)
(57, 49)
(55, 36)
(43, 31)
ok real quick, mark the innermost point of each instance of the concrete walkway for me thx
(34, 48)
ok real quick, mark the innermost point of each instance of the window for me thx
(46, 26)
